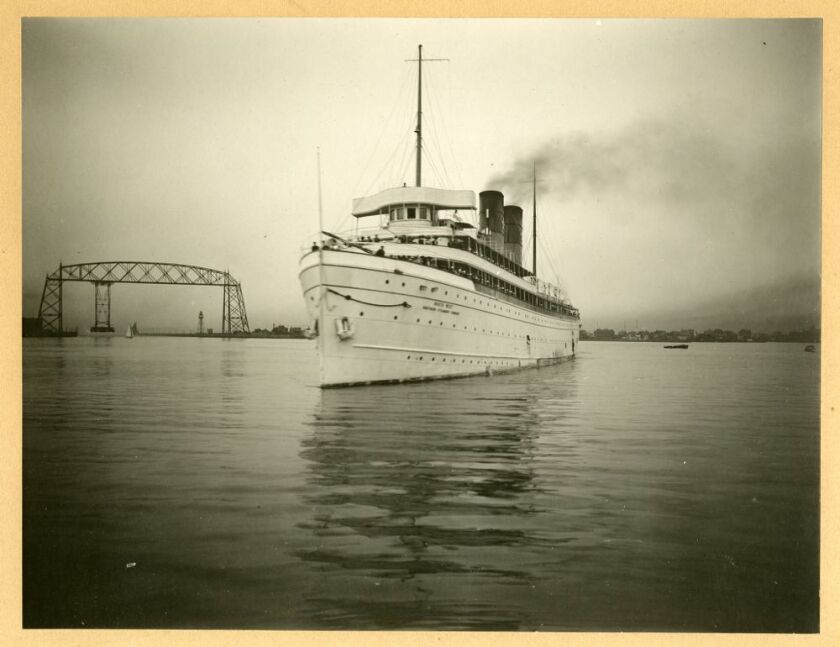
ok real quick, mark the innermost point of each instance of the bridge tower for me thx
(102, 307)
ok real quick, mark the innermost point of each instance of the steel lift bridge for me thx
(102, 275)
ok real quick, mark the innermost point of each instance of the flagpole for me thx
(534, 266)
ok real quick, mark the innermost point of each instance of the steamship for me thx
(428, 292)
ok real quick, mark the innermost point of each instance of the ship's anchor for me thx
(343, 328)
(312, 331)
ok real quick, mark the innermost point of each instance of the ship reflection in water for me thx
(545, 501)
(419, 501)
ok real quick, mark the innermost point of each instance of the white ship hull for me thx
(388, 320)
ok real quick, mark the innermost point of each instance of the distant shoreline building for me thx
(745, 335)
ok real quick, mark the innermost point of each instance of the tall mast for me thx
(321, 320)
(419, 130)
(534, 266)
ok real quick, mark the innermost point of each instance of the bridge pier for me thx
(102, 307)
(233, 307)
(50, 312)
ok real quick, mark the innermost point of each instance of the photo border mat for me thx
(11, 13)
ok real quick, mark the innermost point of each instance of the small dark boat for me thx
(810, 348)
(678, 346)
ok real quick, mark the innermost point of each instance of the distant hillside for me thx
(791, 305)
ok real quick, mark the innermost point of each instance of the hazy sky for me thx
(679, 160)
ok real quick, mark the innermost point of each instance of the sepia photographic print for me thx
(480, 324)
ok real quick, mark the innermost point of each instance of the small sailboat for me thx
(129, 333)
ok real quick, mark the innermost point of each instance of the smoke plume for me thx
(673, 213)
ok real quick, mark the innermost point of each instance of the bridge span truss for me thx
(104, 274)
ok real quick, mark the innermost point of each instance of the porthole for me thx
(387, 281)
(395, 317)
(430, 321)
(433, 359)
(408, 357)
(361, 314)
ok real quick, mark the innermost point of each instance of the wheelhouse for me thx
(425, 206)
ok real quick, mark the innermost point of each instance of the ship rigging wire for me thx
(445, 135)
(430, 142)
(404, 127)
(433, 166)
(548, 227)
(436, 133)
(399, 104)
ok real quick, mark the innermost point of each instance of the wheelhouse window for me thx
(416, 212)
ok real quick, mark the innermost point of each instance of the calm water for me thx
(207, 483)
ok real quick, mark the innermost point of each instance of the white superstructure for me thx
(423, 297)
